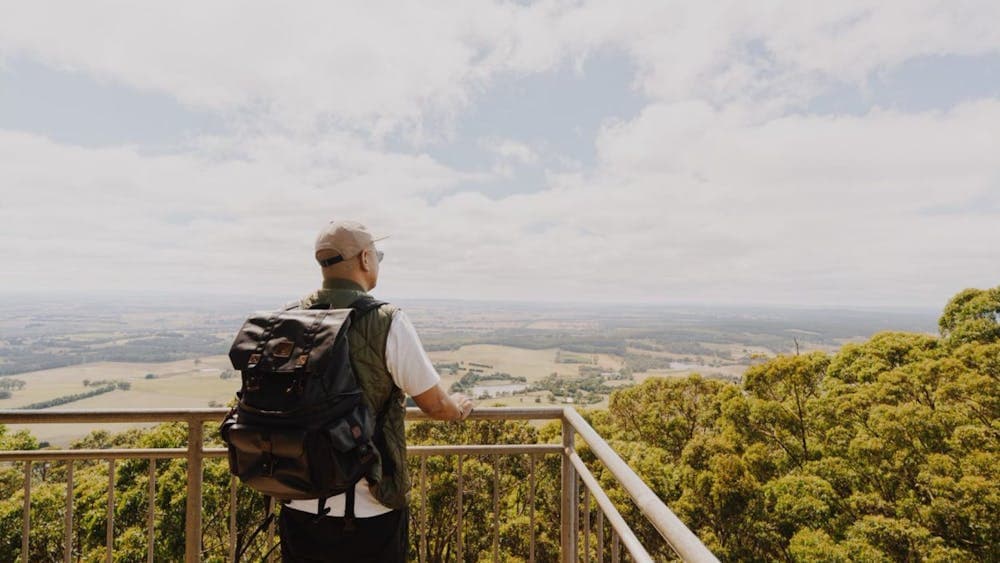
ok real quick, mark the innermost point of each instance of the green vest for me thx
(367, 339)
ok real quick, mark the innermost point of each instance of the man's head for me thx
(346, 250)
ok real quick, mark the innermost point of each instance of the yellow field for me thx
(178, 384)
(51, 383)
(532, 364)
(63, 434)
(190, 383)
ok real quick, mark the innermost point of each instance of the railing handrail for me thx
(681, 539)
(46, 416)
(176, 453)
(677, 535)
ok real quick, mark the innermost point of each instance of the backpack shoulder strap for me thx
(364, 304)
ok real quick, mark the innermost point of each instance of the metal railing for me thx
(573, 471)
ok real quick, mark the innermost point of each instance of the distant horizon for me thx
(246, 296)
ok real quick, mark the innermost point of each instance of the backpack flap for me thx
(283, 443)
(287, 341)
(273, 461)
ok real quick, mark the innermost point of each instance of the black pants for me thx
(379, 539)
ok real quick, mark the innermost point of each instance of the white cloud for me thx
(510, 150)
(780, 53)
(368, 65)
(715, 191)
(795, 210)
(188, 220)
(380, 63)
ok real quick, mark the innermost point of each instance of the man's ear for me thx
(365, 255)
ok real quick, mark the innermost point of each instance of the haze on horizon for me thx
(666, 152)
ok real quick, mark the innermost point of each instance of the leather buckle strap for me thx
(331, 261)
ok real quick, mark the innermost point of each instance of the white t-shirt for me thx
(412, 372)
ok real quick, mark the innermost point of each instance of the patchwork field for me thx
(171, 355)
(532, 364)
(185, 383)
(196, 383)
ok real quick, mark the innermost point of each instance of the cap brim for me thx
(380, 238)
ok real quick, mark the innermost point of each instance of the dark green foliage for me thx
(972, 316)
(71, 398)
(583, 390)
(10, 383)
(475, 377)
(34, 354)
(640, 363)
(887, 451)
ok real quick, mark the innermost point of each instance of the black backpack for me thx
(300, 429)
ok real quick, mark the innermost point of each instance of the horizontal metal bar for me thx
(499, 413)
(18, 416)
(681, 539)
(488, 449)
(116, 453)
(618, 523)
(176, 453)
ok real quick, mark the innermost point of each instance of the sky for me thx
(796, 153)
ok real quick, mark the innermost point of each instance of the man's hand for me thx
(464, 404)
(438, 405)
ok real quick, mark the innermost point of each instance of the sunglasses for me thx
(338, 259)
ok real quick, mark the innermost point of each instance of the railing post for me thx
(110, 527)
(68, 523)
(459, 548)
(192, 519)
(151, 539)
(568, 511)
(26, 532)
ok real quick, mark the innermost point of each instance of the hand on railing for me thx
(464, 404)
(437, 404)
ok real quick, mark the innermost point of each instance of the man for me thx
(390, 363)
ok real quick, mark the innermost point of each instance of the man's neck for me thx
(344, 283)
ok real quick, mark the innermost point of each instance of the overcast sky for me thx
(811, 153)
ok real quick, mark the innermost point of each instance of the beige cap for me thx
(345, 239)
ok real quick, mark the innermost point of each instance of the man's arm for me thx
(439, 405)
(413, 372)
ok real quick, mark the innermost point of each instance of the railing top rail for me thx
(499, 413)
(177, 453)
(26, 416)
(681, 539)
(19, 416)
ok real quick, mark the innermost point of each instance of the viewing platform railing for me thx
(573, 471)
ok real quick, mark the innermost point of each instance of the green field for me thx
(620, 347)
(185, 383)
(196, 383)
